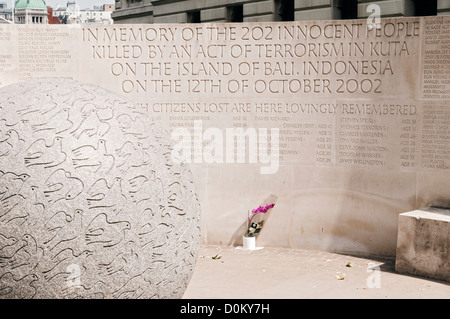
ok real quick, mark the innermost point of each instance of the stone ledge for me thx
(423, 243)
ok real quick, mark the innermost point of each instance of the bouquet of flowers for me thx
(256, 219)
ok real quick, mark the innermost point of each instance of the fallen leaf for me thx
(340, 277)
(348, 264)
(216, 257)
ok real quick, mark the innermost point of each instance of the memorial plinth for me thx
(347, 123)
(423, 243)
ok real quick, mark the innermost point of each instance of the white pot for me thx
(249, 242)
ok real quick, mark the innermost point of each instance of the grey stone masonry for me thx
(423, 243)
(193, 11)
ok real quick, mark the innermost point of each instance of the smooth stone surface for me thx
(91, 203)
(285, 273)
(423, 243)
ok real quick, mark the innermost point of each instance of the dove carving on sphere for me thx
(62, 228)
(86, 290)
(19, 213)
(155, 236)
(27, 256)
(91, 125)
(57, 123)
(134, 185)
(96, 157)
(9, 204)
(122, 262)
(142, 188)
(60, 185)
(11, 145)
(6, 241)
(32, 104)
(33, 250)
(130, 155)
(135, 287)
(11, 183)
(30, 209)
(21, 287)
(39, 153)
(23, 201)
(102, 230)
(101, 195)
(60, 264)
(7, 253)
(40, 114)
(132, 126)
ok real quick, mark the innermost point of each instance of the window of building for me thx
(284, 10)
(348, 9)
(193, 17)
(425, 8)
(235, 13)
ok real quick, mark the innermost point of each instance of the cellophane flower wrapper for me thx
(257, 218)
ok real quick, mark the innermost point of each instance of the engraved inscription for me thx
(436, 59)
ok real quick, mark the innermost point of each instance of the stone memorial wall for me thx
(345, 122)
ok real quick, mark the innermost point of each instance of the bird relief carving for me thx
(91, 204)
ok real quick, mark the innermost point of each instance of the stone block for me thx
(314, 14)
(172, 18)
(215, 14)
(443, 7)
(258, 8)
(308, 4)
(423, 243)
(258, 18)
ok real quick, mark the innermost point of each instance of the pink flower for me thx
(262, 209)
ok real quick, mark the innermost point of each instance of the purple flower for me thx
(262, 209)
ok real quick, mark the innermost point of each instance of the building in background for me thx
(51, 18)
(72, 14)
(31, 12)
(99, 15)
(195, 11)
(5, 13)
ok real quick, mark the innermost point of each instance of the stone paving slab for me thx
(282, 273)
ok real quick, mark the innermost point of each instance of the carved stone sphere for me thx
(91, 203)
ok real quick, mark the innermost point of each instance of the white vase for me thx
(249, 242)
